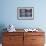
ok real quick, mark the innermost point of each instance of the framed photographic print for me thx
(25, 13)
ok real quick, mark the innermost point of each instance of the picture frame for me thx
(25, 13)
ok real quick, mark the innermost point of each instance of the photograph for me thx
(25, 13)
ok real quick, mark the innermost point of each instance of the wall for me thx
(8, 13)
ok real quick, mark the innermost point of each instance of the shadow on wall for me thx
(2, 26)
